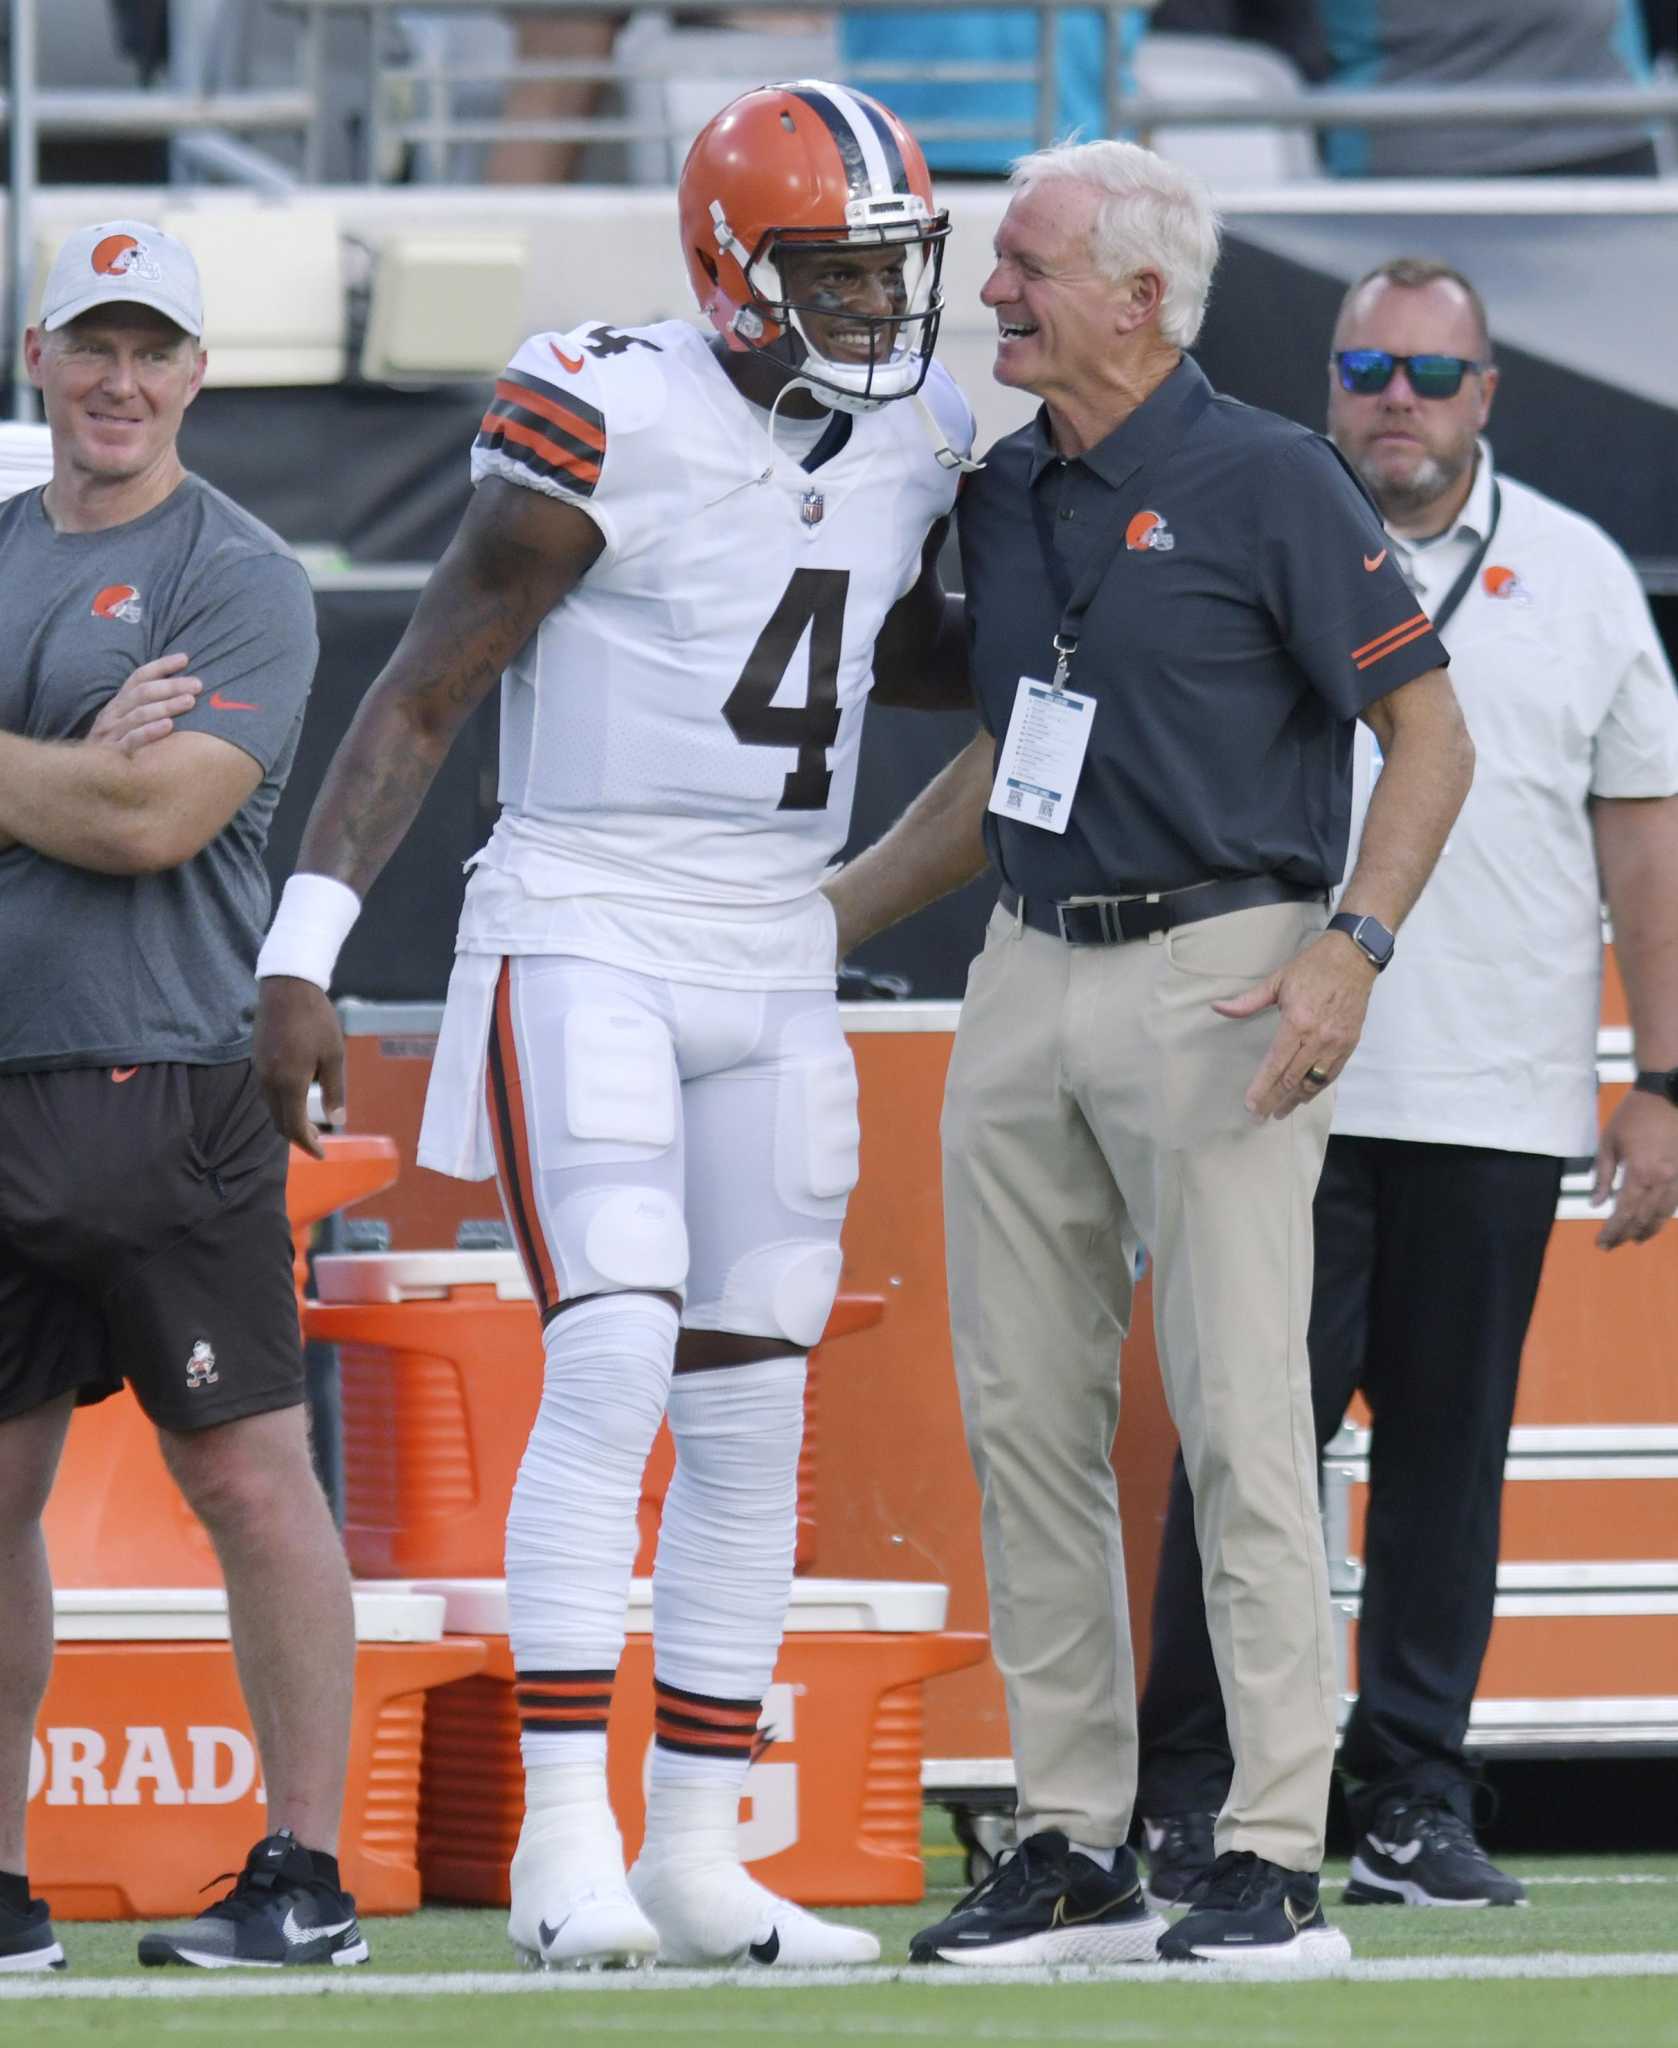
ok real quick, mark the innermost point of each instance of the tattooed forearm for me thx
(514, 559)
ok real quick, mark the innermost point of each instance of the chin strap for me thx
(946, 455)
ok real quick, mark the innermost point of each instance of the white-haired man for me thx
(1178, 606)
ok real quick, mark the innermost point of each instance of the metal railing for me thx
(1124, 108)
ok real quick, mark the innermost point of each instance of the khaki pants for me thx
(1095, 1103)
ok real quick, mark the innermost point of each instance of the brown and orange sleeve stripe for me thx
(1392, 640)
(700, 1726)
(563, 1702)
(552, 433)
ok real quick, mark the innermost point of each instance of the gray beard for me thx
(1403, 500)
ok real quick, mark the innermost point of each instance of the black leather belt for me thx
(1109, 919)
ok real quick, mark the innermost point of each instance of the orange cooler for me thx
(832, 1813)
(143, 1778)
(440, 1361)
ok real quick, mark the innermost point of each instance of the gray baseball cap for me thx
(130, 261)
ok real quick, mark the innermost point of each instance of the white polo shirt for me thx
(1482, 1031)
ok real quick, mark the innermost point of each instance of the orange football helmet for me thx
(808, 165)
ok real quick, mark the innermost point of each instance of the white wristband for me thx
(309, 930)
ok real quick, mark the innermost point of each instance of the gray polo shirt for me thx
(1248, 607)
(121, 970)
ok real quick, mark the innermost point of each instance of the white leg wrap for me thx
(725, 1549)
(571, 1531)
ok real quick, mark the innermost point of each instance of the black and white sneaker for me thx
(280, 1912)
(1422, 1852)
(27, 1941)
(1046, 1903)
(1180, 1853)
(1257, 1916)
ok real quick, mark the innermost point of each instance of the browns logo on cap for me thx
(124, 262)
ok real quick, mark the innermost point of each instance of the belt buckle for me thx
(1066, 938)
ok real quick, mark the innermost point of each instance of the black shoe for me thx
(1257, 1915)
(1421, 1852)
(1046, 1903)
(1180, 1853)
(279, 1913)
(27, 1941)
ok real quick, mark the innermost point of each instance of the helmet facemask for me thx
(889, 354)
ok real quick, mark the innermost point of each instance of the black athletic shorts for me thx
(143, 1237)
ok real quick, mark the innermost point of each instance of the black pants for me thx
(1427, 1265)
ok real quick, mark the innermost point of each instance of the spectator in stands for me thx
(1214, 594)
(1291, 27)
(1473, 1083)
(560, 37)
(143, 1231)
(1488, 43)
(1001, 112)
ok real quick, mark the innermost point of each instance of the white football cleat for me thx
(715, 1913)
(571, 1904)
(689, 1882)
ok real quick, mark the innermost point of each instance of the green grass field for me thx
(1514, 1980)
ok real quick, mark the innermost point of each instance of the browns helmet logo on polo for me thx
(1149, 530)
(1504, 583)
(119, 601)
(125, 256)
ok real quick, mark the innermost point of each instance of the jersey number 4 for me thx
(814, 598)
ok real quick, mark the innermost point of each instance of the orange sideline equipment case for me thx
(440, 1366)
(143, 1779)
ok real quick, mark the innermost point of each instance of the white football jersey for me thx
(679, 739)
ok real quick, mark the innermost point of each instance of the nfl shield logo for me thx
(813, 507)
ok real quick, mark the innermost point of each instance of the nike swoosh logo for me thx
(1373, 562)
(296, 1935)
(1062, 1918)
(1396, 1852)
(1155, 1836)
(766, 1951)
(545, 1934)
(121, 1074)
(571, 363)
(221, 703)
(1294, 1921)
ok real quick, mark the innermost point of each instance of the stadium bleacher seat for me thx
(443, 305)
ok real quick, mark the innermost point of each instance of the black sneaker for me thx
(27, 1941)
(1046, 1903)
(279, 1913)
(1180, 1853)
(1256, 1915)
(1422, 1852)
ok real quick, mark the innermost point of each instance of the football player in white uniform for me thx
(686, 560)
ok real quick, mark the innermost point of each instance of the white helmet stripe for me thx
(859, 142)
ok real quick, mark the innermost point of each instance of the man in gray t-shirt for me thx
(143, 1233)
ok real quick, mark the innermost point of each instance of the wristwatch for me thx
(1659, 1081)
(1368, 934)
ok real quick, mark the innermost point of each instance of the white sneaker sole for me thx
(202, 1959)
(1134, 1942)
(1404, 1891)
(1318, 1949)
(51, 1958)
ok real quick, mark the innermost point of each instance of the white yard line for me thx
(361, 1983)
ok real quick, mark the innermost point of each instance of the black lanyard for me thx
(1074, 601)
(1459, 590)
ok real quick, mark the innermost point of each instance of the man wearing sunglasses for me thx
(1473, 1081)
